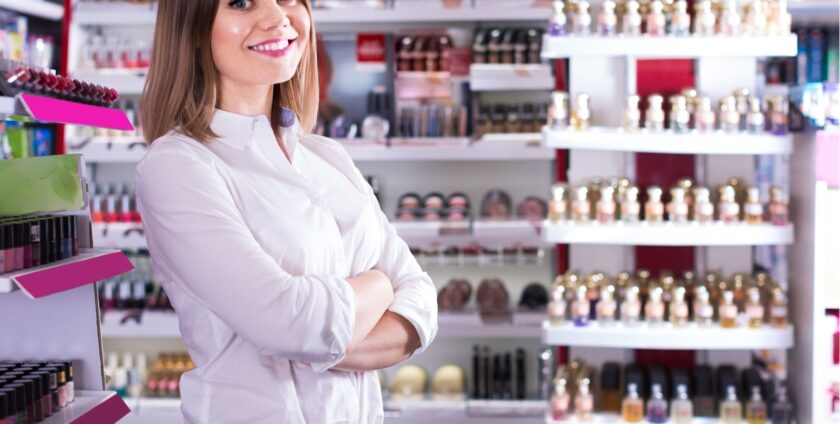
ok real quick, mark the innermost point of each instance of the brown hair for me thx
(180, 91)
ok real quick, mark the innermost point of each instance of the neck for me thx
(243, 99)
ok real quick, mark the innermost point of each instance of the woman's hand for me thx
(392, 341)
(374, 294)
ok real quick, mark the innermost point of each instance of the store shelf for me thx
(500, 77)
(669, 47)
(48, 109)
(483, 233)
(88, 267)
(119, 235)
(114, 14)
(478, 151)
(667, 337)
(832, 303)
(472, 408)
(128, 149)
(37, 8)
(91, 407)
(146, 325)
(126, 82)
(669, 234)
(717, 143)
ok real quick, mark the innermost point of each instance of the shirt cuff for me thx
(422, 317)
(341, 328)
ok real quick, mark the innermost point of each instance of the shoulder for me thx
(174, 157)
(323, 144)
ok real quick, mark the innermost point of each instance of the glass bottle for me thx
(728, 208)
(582, 20)
(657, 406)
(754, 308)
(778, 114)
(680, 19)
(782, 412)
(778, 207)
(704, 19)
(654, 115)
(654, 209)
(606, 306)
(679, 116)
(755, 116)
(730, 119)
(756, 408)
(632, 115)
(607, 20)
(730, 408)
(780, 19)
(630, 207)
(631, 308)
(682, 410)
(631, 22)
(584, 403)
(581, 115)
(730, 20)
(655, 308)
(678, 206)
(655, 20)
(557, 209)
(606, 206)
(753, 211)
(742, 104)
(580, 307)
(632, 408)
(557, 305)
(704, 211)
(756, 19)
(560, 401)
(704, 312)
(678, 308)
(779, 309)
(580, 205)
(559, 114)
(557, 23)
(704, 116)
(728, 311)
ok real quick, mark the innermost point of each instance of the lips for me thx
(273, 48)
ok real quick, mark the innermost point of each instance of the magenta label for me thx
(109, 411)
(62, 111)
(828, 157)
(45, 282)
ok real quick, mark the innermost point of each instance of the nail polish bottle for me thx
(704, 312)
(582, 21)
(557, 305)
(704, 19)
(778, 207)
(753, 211)
(728, 208)
(730, 119)
(632, 408)
(704, 116)
(781, 19)
(557, 24)
(606, 306)
(21, 236)
(730, 408)
(609, 395)
(779, 309)
(580, 307)
(582, 114)
(703, 392)
(546, 365)
(35, 242)
(584, 403)
(654, 115)
(557, 206)
(657, 406)
(68, 237)
(632, 115)
(730, 20)
(631, 307)
(655, 308)
(682, 411)
(755, 116)
(606, 206)
(680, 19)
(631, 22)
(679, 115)
(559, 113)
(655, 20)
(654, 209)
(742, 104)
(756, 19)
(560, 401)
(756, 409)
(782, 412)
(630, 207)
(754, 308)
(580, 205)
(704, 211)
(728, 311)
(678, 206)
(607, 20)
(679, 308)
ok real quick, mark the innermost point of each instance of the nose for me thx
(275, 17)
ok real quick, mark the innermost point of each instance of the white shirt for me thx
(254, 253)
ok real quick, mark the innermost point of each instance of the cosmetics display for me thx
(132, 112)
(605, 201)
(131, 377)
(18, 44)
(18, 77)
(28, 242)
(507, 45)
(32, 391)
(101, 52)
(499, 118)
(22, 141)
(495, 205)
(656, 19)
(431, 120)
(113, 203)
(679, 300)
(687, 112)
(817, 59)
(134, 291)
(423, 53)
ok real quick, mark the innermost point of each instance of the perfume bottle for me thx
(654, 115)
(754, 308)
(560, 401)
(679, 308)
(655, 308)
(606, 206)
(557, 209)
(631, 22)
(557, 305)
(730, 20)
(582, 21)
(678, 206)
(654, 209)
(679, 116)
(581, 115)
(728, 209)
(756, 18)
(779, 309)
(755, 116)
(704, 312)
(557, 22)
(730, 408)
(730, 119)
(782, 412)
(606, 306)
(704, 116)
(655, 20)
(607, 20)
(680, 19)
(778, 207)
(704, 211)
(778, 114)
(584, 403)
(657, 406)
(580, 205)
(682, 411)
(632, 115)
(630, 207)
(580, 307)
(559, 113)
(756, 408)
(704, 19)
(780, 19)
(631, 308)
(742, 104)
(728, 311)
(753, 211)
(632, 408)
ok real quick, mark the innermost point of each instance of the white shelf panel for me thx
(478, 151)
(152, 325)
(499, 77)
(109, 149)
(669, 47)
(114, 14)
(669, 234)
(616, 139)
(101, 407)
(668, 337)
(127, 83)
(357, 15)
(37, 8)
(832, 303)
(484, 233)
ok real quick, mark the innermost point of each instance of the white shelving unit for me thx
(90, 406)
(646, 47)
(669, 234)
(9, 281)
(37, 8)
(499, 77)
(127, 83)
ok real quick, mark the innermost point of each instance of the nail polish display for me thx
(584, 402)
(607, 19)
(582, 22)
(28, 242)
(32, 391)
(560, 401)
(632, 408)
(682, 410)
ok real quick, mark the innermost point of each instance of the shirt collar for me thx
(238, 130)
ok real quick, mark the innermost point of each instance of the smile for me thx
(273, 48)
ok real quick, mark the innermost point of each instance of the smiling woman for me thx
(290, 284)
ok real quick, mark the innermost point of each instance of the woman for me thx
(290, 285)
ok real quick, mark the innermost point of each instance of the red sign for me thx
(370, 49)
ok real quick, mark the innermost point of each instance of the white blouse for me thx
(254, 253)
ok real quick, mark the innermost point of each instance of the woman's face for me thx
(259, 42)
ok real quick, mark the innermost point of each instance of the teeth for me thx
(279, 45)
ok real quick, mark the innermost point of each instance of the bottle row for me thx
(659, 395)
(132, 112)
(657, 18)
(19, 141)
(507, 45)
(496, 204)
(107, 52)
(687, 111)
(817, 59)
(113, 202)
(27, 242)
(134, 291)
(132, 378)
(510, 119)
(18, 77)
(491, 297)
(16, 42)
(30, 392)
(618, 199)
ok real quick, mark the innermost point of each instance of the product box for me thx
(41, 185)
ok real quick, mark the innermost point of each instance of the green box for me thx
(41, 185)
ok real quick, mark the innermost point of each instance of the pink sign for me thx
(828, 157)
(68, 276)
(64, 112)
(110, 410)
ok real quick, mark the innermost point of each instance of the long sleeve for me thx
(194, 227)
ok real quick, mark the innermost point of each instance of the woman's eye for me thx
(240, 4)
